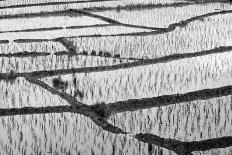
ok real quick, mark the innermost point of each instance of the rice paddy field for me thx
(100, 77)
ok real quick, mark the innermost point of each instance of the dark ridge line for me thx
(144, 33)
(70, 53)
(142, 27)
(116, 107)
(82, 108)
(208, 1)
(141, 6)
(81, 27)
(67, 12)
(112, 21)
(4, 41)
(133, 7)
(165, 59)
(159, 101)
(192, 19)
(185, 148)
(60, 53)
(40, 14)
(132, 104)
(67, 44)
(32, 40)
(170, 28)
(106, 19)
(89, 26)
(71, 50)
(179, 147)
(118, 8)
(24, 54)
(52, 3)
(38, 110)
(34, 30)
(71, 12)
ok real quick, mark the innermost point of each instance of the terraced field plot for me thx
(115, 77)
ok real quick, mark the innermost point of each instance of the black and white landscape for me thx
(120, 77)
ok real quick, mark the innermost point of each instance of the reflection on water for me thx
(166, 92)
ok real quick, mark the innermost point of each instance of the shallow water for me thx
(156, 83)
(162, 17)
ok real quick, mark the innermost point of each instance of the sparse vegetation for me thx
(101, 109)
(58, 83)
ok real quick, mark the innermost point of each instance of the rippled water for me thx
(197, 105)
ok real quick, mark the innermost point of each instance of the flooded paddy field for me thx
(116, 77)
